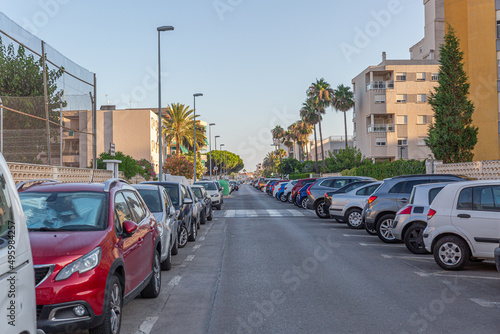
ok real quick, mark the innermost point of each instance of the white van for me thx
(17, 281)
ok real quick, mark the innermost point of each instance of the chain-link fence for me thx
(47, 108)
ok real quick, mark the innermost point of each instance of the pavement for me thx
(262, 266)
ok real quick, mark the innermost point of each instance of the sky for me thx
(252, 59)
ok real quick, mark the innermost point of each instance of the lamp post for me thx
(225, 163)
(217, 168)
(194, 131)
(210, 146)
(1, 125)
(222, 161)
(160, 158)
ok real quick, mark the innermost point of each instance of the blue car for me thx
(281, 190)
(301, 198)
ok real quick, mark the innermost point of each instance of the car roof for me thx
(146, 186)
(58, 186)
(197, 186)
(422, 175)
(465, 184)
(432, 185)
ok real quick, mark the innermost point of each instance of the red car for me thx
(299, 185)
(95, 247)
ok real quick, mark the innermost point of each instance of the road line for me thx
(229, 213)
(196, 247)
(274, 213)
(383, 245)
(174, 281)
(201, 239)
(251, 213)
(296, 213)
(190, 258)
(403, 257)
(485, 303)
(356, 235)
(385, 256)
(147, 325)
(446, 274)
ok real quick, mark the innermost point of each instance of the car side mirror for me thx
(129, 227)
(188, 201)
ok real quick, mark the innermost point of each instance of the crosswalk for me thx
(260, 213)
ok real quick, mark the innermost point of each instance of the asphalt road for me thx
(262, 266)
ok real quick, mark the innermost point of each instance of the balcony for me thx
(380, 85)
(378, 128)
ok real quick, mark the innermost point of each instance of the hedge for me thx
(384, 170)
(299, 176)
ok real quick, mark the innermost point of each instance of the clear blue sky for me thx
(252, 59)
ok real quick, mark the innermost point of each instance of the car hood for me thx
(57, 244)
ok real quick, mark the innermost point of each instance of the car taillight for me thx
(371, 199)
(405, 211)
(308, 191)
(431, 213)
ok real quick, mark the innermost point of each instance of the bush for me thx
(309, 167)
(299, 176)
(290, 166)
(348, 158)
(384, 170)
(129, 166)
(147, 170)
(179, 166)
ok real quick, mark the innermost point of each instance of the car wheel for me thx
(112, 309)
(183, 236)
(192, 236)
(175, 247)
(370, 231)
(414, 239)
(339, 220)
(218, 206)
(167, 264)
(353, 219)
(290, 198)
(320, 210)
(303, 203)
(152, 290)
(203, 219)
(451, 253)
(209, 218)
(283, 198)
(384, 229)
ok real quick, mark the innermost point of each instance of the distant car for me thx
(463, 223)
(206, 203)
(411, 219)
(160, 205)
(95, 247)
(287, 191)
(302, 198)
(298, 186)
(214, 192)
(348, 206)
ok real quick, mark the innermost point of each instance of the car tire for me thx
(353, 219)
(112, 309)
(320, 210)
(303, 203)
(209, 218)
(414, 238)
(203, 219)
(194, 230)
(290, 198)
(370, 231)
(167, 264)
(218, 206)
(283, 198)
(175, 247)
(339, 220)
(451, 253)
(152, 290)
(183, 236)
(384, 229)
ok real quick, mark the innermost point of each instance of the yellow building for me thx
(477, 23)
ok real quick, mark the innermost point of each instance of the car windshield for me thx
(152, 199)
(173, 192)
(197, 192)
(65, 211)
(207, 185)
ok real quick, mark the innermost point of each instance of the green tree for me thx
(310, 117)
(129, 166)
(343, 100)
(348, 158)
(234, 161)
(320, 95)
(200, 168)
(290, 166)
(452, 137)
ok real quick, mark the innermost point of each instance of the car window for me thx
(465, 199)
(408, 187)
(122, 212)
(484, 199)
(396, 189)
(197, 192)
(361, 192)
(371, 189)
(173, 192)
(166, 199)
(433, 193)
(340, 183)
(6, 212)
(135, 206)
(207, 185)
(326, 183)
(152, 199)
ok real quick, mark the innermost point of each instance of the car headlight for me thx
(81, 265)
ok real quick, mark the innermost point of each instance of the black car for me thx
(206, 202)
(185, 208)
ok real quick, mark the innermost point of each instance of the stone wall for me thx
(480, 170)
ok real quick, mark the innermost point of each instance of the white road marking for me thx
(251, 213)
(201, 239)
(174, 281)
(147, 325)
(485, 303)
(407, 257)
(421, 274)
(274, 213)
(296, 213)
(446, 274)
(190, 258)
(383, 245)
(196, 247)
(229, 213)
(385, 256)
(357, 235)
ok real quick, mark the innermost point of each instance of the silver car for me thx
(348, 206)
(160, 205)
(411, 220)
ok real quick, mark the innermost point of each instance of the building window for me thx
(422, 119)
(498, 29)
(421, 141)
(435, 77)
(402, 119)
(421, 76)
(402, 141)
(421, 98)
(420, 50)
(380, 142)
(401, 98)
(401, 76)
(379, 98)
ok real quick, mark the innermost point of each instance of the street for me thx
(262, 266)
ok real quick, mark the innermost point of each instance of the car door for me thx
(477, 215)
(187, 209)
(404, 194)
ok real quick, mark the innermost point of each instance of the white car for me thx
(464, 223)
(213, 191)
(17, 278)
(286, 196)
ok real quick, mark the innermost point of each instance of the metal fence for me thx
(47, 102)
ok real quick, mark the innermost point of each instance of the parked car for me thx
(463, 223)
(343, 190)
(184, 207)
(302, 198)
(316, 193)
(95, 247)
(160, 205)
(213, 191)
(497, 257)
(203, 198)
(301, 183)
(287, 192)
(390, 197)
(16, 262)
(411, 219)
(277, 186)
(348, 206)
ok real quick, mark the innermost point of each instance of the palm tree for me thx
(309, 116)
(178, 126)
(320, 93)
(343, 100)
(289, 137)
(300, 132)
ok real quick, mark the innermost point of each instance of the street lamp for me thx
(194, 131)
(216, 167)
(210, 146)
(222, 161)
(1, 125)
(160, 174)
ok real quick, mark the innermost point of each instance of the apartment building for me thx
(331, 144)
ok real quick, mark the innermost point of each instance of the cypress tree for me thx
(452, 136)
